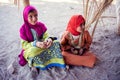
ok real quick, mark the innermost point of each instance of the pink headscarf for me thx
(25, 31)
(75, 21)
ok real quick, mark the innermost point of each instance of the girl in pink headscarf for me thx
(75, 43)
(39, 50)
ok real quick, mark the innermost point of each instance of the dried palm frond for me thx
(25, 2)
(93, 10)
(16, 2)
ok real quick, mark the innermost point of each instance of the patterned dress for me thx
(44, 58)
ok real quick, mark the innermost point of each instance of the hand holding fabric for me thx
(41, 44)
(48, 42)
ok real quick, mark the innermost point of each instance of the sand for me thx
(55, 14)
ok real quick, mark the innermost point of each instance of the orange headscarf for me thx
(75, 21)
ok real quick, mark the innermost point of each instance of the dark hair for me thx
(32, 10)
(82, 24)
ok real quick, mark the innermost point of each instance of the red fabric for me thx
(75, 21)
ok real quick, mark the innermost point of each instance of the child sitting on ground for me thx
(39, 50)
(75, 43)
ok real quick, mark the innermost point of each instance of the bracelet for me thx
(53, 38)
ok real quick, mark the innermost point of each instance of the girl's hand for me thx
(81, 51)
(48, 42)
(41, 44)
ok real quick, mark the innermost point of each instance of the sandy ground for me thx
(106, 43)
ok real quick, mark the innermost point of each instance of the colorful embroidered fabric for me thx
(50, 57)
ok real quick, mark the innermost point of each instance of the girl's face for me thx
(32, 17)
(79, 29)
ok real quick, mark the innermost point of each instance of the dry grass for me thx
(93, 10)
(24, 2)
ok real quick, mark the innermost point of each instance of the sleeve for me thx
(63, 39)
(30, 49)
(88, 40)
(64, 42)
(26, 44)
(45, 35)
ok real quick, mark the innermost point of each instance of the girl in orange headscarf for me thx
(75, 43)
